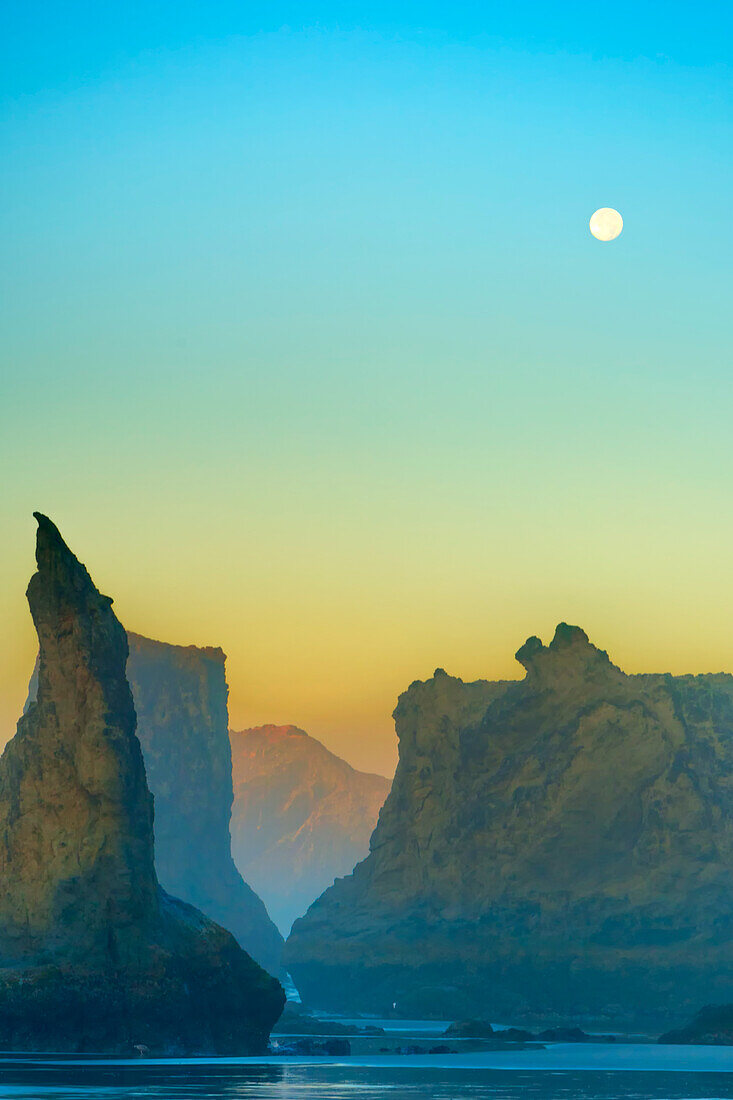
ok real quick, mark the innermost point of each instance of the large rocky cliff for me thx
(556, 847)
(302, 816)
(180, 695)
(93, 954)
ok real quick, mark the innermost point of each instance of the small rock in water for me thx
(713, 1026)
(563, 1035)
(515, 1035)
(334, 1048)
(470, 1029)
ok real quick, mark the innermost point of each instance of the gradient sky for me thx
(309, 353)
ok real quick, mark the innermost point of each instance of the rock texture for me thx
(93, 954)
(180, 698)
(301, 817)
(712, 1026)
(558, 848)
(180, 695)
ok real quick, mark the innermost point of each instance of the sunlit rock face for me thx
(94, 955)
(555, 848)
(180, 695)
(301, 818)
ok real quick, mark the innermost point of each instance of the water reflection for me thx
(47, 1080)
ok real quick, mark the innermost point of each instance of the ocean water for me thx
(560, 1072)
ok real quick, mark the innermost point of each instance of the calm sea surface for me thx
(562, 1071)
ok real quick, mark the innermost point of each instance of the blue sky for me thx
(49, 44)
(315, 282)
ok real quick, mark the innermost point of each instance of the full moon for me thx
(606, 224)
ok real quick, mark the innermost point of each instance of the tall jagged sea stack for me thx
(94, 956)
(558, 848)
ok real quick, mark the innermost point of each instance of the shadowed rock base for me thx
(197, 994)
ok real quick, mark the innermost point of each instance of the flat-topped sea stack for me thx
(180, 695)
(302, 816)
(558, 848)
(94, 955)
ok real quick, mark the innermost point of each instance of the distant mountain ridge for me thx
(301, 817)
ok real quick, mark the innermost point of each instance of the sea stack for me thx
(180, 695)
(302, 816)
(94, 955)
(554, 849)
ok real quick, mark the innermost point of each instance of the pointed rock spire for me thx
(93, 954)
(77, 864)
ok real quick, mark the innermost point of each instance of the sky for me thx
(309, 353)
